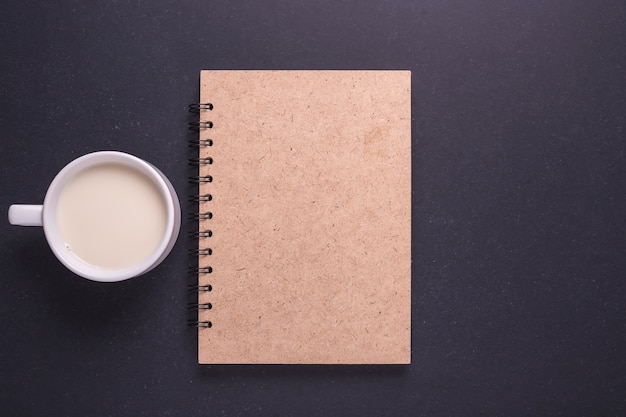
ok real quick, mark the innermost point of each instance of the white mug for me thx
(108, 216)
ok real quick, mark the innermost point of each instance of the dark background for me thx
(519, 247)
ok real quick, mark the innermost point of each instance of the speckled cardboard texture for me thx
(311, 217)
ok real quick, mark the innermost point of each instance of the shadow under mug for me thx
(46, 215)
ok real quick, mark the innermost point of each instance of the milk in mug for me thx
(111, 216)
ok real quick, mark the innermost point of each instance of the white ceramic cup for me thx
(46, 215)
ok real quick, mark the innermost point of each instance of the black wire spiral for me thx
(195, 162)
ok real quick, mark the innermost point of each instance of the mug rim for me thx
(53, 236)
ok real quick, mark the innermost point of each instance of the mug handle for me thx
(26, 215)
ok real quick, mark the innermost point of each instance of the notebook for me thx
(305, 217)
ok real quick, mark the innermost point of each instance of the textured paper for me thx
(311, 225)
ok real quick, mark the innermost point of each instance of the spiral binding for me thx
(200, 324)
(198, 107)
(195, 233)
(199, 288)
(201, 234)
(201, 252)
(197, 198)
(199, 306)
(198, 179)
(201, 216)
(201, 269)
(200, 161)
(198, 143)
(196, 126)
